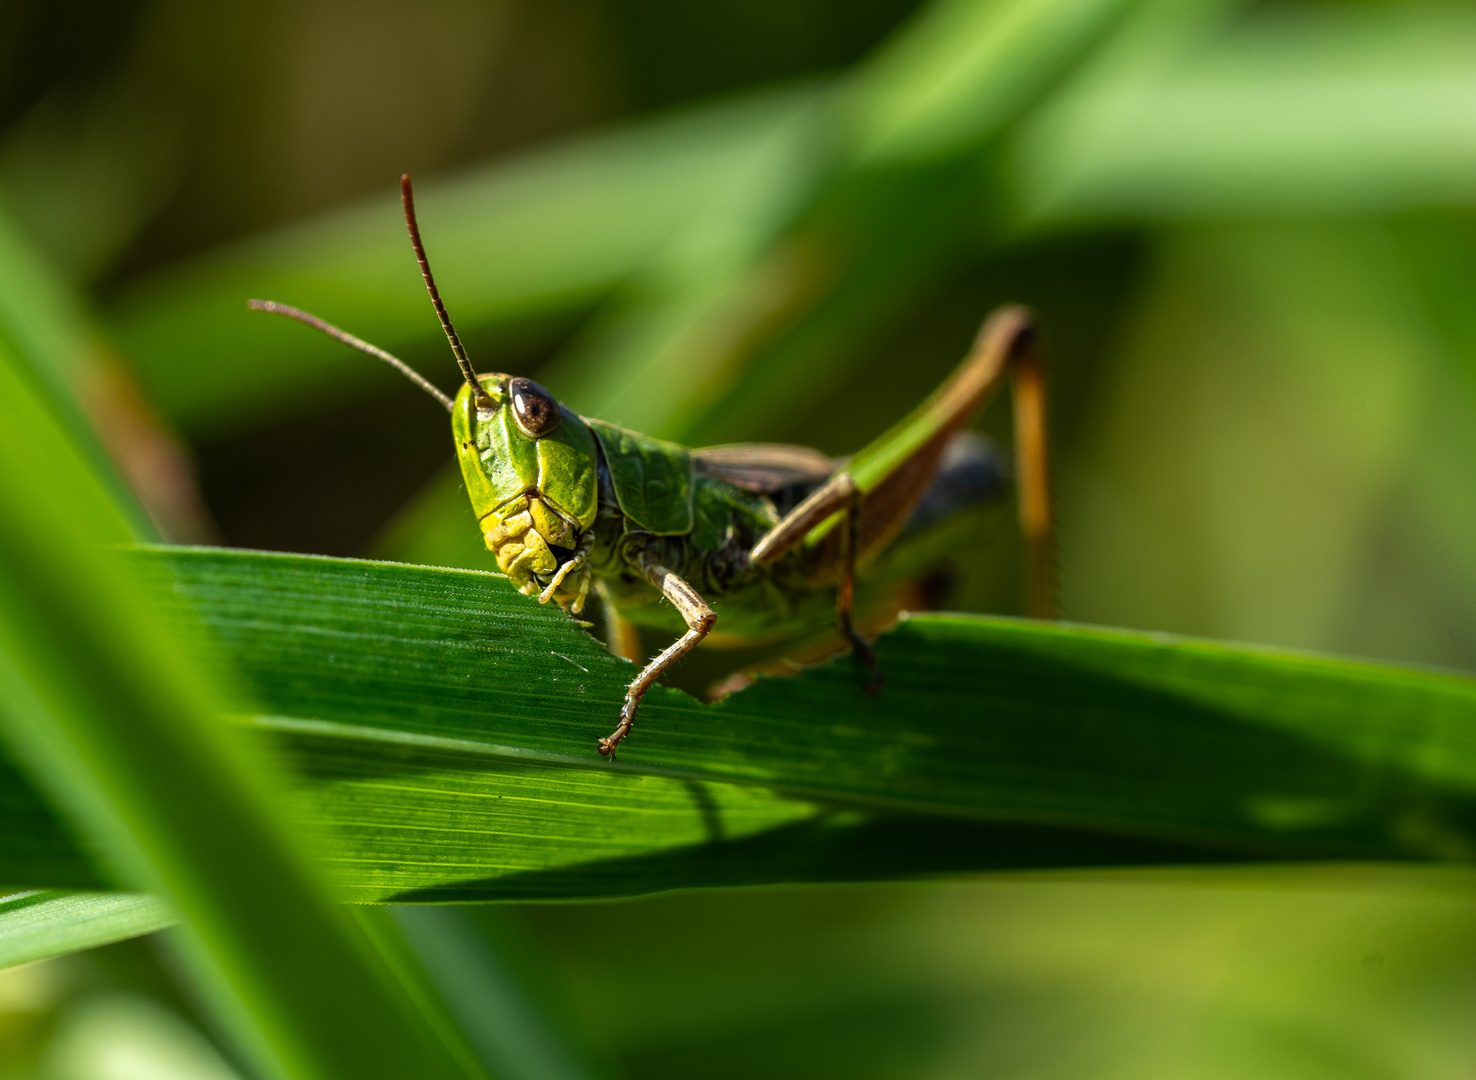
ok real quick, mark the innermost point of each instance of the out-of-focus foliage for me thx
(1254, 972)
(1249, 232)
(118, 722)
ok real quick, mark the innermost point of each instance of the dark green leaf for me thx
(443, 730)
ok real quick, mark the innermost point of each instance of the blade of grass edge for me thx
(41, 924)
(43, 326)
(441, 725)
(123, 734)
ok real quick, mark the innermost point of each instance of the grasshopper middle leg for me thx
(699, 619)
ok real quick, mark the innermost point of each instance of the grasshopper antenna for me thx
(356, 343)
(407, 199)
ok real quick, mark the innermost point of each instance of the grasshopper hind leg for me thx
(846, 592)
(839, 493)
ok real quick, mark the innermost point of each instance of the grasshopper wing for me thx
(766, 468)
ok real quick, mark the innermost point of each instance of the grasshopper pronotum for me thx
(565, 502)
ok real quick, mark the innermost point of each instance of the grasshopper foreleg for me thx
(699, 619)
(577, 562)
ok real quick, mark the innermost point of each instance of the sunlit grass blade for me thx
(691, 311)
(960, 72)
(855, 220)
(45, 331)
(38, 925)
(442, 730)
(1339, 110)
(43, 321)
(120, 727)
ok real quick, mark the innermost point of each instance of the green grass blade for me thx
(121, 730)
(45, 330)
(1339, 110)
(872, 195)
(42, 924)
(961, 72)
(448, 962)
(510, 1032)
(442, 728)
(698, 301)
(43, 321)
(406, 959)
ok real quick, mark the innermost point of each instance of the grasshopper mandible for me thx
(565, 502)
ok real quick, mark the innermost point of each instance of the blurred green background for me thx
(1249, 229)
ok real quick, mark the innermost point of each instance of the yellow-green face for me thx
(530, 471)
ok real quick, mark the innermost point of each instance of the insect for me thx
(741, 536)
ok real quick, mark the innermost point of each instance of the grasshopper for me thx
(568, 504)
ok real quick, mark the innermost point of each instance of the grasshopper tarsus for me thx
(607, 745)
(862, 648)
(627, 721)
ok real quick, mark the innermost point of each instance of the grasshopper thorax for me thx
(531, 471)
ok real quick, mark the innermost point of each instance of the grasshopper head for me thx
(530, 464)
(531, 471)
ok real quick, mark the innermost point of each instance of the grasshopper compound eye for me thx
(535, 410)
